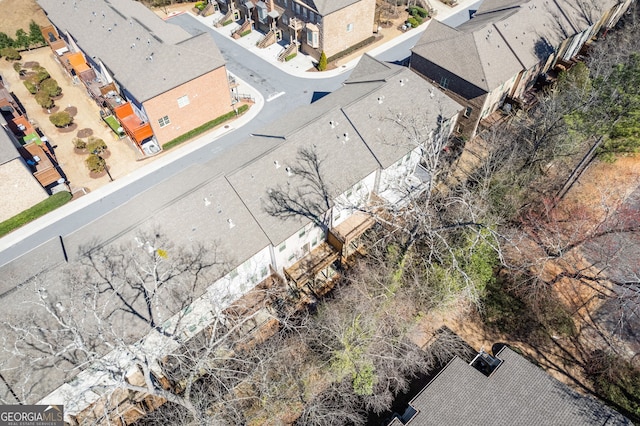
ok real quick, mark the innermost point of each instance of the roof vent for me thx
(485, 363)
(346, 136)
(402, 82)
(380, 99)
(207, 203)
(333, 124)
(277, 164)
(289, 172)
(231, 224)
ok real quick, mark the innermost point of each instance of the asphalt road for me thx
(264, 77)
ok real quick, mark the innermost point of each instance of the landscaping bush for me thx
(10, 54)
(413, 22)
(290, 57)
(244, 33)
(5, 41)
(95, 164)
(96, 145)
(200, 5)
(41, 74)
(43, 99)
(50, 87)
(206, 126)
(418, 11)
(225, 23)
(79, 143)
(35, 35)
(61, 119)
(351, 49)
(322, 64)
(30, 87)
(17, 66)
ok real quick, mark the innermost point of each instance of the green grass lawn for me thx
(40, 209)
(113, 123)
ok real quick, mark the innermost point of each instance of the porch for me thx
(346, 236)
(316, 270)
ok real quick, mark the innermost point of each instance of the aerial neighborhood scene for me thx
(319, 212)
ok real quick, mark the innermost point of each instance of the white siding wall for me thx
(297, 246)
(356, 196)
(243, 278)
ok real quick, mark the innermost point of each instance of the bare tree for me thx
(132, 317)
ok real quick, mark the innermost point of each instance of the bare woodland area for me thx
(554, 278)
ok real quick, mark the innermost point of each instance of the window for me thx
(301, 233)
(285, 4)
(305, 12)
(297, 9)
(312, 17)
(444, 82)
(349, 28)
(282, 247)
(263, 272)
(262, 13)
(467, 111)
(314, 242)
(164, 121)
(407, 157)
(183, 101)
(349, 193)
(233, 274)
(293, 256)
(312, 38)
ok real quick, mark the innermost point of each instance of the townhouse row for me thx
(313, 26)
(356, 137)
(492, 61)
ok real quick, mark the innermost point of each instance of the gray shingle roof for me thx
(517, 393)
(355, 110)
(481, 57)
(385, 122)
(504, 37)
(8, 150)
(146, 55)
(326, 7)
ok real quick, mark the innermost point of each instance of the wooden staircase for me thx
(225, 18)
(244, 27)
(268, 39)
(292, 48)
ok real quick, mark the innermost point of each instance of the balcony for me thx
(344, 237)
(315, 269)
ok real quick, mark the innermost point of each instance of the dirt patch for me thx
(84, 133)
(70, 128)
(16, 14)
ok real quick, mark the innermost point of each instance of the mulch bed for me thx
(53, 109)
(94, 175)
(31, 64)
(67, 129)
(73, 111)
(84, 133)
